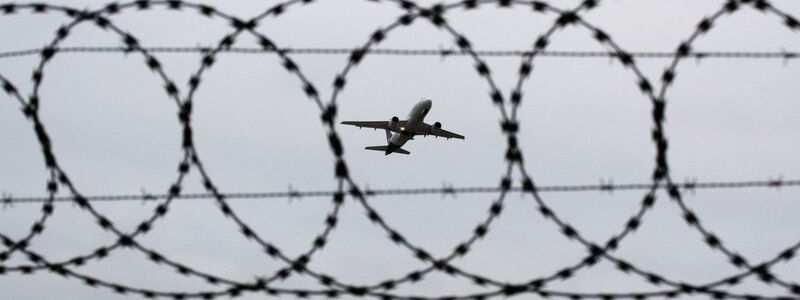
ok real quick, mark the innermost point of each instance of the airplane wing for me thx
(368, 124)
(427, 129)
(374, 124)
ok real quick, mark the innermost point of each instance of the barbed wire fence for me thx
(445, 190)
(507, 105)
(783, 54)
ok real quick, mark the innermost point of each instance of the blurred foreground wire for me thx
(415, 52)
(445, 190)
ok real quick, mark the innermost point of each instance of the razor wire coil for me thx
(507, 105)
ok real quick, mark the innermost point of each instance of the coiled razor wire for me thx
(507, 104)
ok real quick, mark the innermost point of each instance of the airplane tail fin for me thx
(384, 148)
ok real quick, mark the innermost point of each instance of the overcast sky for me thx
(583, 121)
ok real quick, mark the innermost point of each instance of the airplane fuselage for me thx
(415, 118)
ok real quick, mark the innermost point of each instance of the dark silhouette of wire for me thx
(385, 289)
(415, 52)
(444, 191)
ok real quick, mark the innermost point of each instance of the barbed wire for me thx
(8, 199)
(785, 55)
(346, 185)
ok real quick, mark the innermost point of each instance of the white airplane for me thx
(406, 129)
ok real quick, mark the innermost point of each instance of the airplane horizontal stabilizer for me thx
(383, 148)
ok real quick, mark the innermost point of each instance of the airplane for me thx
(405, 130)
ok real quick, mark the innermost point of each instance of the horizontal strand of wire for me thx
(418, 191)
(416, 52)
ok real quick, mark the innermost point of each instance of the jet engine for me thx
(437, 125)
(393, 123)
